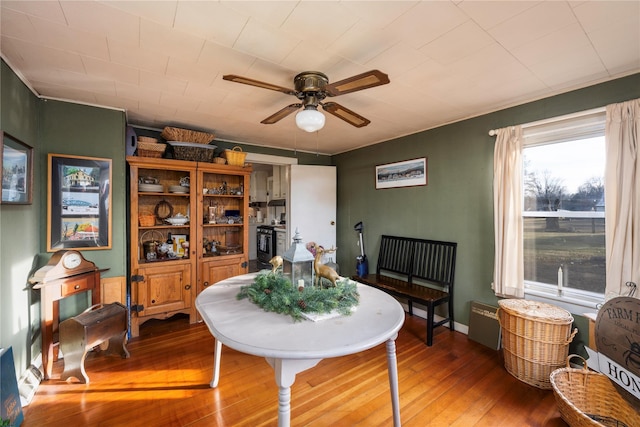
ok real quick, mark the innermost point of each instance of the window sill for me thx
(573, 300)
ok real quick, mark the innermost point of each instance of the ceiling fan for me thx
(311, 88)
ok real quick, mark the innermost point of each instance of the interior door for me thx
(312, 204)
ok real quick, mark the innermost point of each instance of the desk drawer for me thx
(78, 285)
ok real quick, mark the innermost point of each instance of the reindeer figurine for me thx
(321, 270)
(276, 262)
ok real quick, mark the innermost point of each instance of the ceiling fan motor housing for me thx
(311, 81)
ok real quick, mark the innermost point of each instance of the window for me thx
(563, 209)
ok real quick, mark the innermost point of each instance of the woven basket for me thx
(535, 339)
(220, 160)
(147, 220)
(235, 156)
(193, 152)
(147, 139)
(150, 149)
(186, 135)
(587, 398)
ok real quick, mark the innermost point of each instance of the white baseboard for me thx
(29, 381)
(417, 311)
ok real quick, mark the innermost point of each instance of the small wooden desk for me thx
(50, 295)
(292, 347)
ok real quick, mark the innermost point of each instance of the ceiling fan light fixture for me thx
(310, 119)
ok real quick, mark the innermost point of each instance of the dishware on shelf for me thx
(178, 189)
(178, 219)
(150, 188)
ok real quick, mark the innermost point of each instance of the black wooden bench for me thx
(422, 271)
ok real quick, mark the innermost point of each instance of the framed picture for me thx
(178, 240)
(16, 163)
(78, 203)
(409, 173)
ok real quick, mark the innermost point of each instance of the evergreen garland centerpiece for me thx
(273, 291)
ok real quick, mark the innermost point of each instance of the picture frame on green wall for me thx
(16, 163)
(78, 203)
(408, 173)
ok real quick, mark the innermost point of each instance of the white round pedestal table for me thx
(291, 347)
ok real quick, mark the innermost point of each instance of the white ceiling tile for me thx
(137, 92)
(485, 62)
(162, 83)
(46, 9)
(169, 41)
(17, 24)
(40, 57)
(308, 55)
(577, 67)
(160, 11)
(190, 71)
(179, 102)
(618, 57)
(457, 43)
(210, 20)
(604, 15)
(52, 34)
(426, 22)
(378, 14)
(397, 60)
(272, 13)
(265, 42)
(322, 22)
(67, 93)
(111, 71)
(133, 56)
(222, 60)
(488, 14)
(157, 110)
(117, 101)
(554, 46)
(83, 82)
(99, 18)
(361, 43)
(533, 23)
(210, 100)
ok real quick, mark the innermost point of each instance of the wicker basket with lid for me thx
(535, 339)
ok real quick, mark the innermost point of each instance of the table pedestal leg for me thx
(392, 367)
(217, 355)
(286, 370)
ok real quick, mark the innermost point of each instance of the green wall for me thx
(19, 226)
(82, 130)
(457, 203)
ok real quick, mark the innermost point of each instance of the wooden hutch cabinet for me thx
(216, 203)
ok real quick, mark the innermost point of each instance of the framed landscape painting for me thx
(16, 163)
(78, 203)
(408, 173)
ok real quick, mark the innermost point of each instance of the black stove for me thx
(266, 245)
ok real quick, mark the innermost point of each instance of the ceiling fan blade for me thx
(345, 114)
(281, 114)
(258, 83)
(366, 80)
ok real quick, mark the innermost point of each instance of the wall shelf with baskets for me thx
(187, 232)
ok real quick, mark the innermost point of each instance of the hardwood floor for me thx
(165, 382)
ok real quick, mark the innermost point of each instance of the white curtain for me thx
(622, 184)
(508, 273)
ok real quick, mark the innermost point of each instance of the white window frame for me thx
(570, 127)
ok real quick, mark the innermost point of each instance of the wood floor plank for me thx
(165, 382)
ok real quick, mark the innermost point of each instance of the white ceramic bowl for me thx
(178, 189)
(177, 220)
